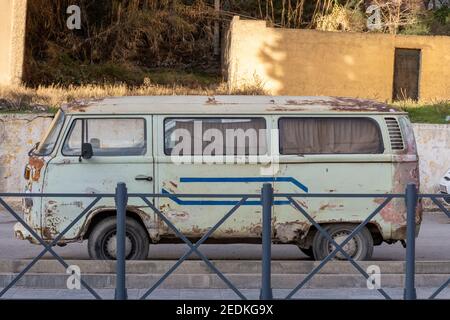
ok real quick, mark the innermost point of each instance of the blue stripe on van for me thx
(233, 179)
(179, 201)
(248, 179)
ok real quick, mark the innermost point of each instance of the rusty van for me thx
(314, 145)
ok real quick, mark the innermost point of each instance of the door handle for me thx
(142, 177)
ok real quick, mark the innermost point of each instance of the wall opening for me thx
(406, 74)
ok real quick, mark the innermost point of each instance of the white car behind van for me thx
(444, 186)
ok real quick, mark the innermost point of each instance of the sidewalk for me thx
(218, 294)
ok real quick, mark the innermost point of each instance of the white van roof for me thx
(226, 105)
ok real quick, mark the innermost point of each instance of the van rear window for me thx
(329, 136)
(214, 136)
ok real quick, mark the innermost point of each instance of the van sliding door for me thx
(230, 147)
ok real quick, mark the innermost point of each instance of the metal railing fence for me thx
(266, 197)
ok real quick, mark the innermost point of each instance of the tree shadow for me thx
(319, 63)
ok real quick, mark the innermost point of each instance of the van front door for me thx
(122, 152)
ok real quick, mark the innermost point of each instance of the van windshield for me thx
(47, 144)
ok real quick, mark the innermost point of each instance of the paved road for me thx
(219, 294)
(433, 244)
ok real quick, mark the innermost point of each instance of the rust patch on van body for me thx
(395, 212)
(347, 104)
(327, 206)
(353, 104)
(36, 164)
(335, 104)
(281, 108)
(175, 215)
(211, 100)
(81, 105)
(392, 212)
(291, 231)
(173, 184)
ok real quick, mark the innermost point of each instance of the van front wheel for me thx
(102, 240)
(360, 247)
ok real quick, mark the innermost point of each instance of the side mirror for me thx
(86, 151)
(30, 153)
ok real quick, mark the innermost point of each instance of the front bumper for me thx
(23, 234)
(446, 198)
(445, 190)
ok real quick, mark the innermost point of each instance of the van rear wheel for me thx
(360, 247)
(102, 240)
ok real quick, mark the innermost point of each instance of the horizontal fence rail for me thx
(266, 198)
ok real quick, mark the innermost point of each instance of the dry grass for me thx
(342, 18)
(398, 14)
(48, 98)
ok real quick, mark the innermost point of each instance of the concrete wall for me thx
(311, 62)
(18, 133)
(433, 145)
(12, 40)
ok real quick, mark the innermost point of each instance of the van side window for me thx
(329, 136)
(215, 136)
(108, 137)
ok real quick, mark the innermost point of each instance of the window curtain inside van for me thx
(329, 136)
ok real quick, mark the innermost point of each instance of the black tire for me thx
(308, 251)
(360, 247)
(101, 242)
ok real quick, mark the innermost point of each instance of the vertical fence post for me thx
(266, 201)
(411, 203)
(121, 200)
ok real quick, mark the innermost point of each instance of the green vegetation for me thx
(426, 112)
(69, 72)
(434, 22)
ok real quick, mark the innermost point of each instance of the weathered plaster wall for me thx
(433, 144)
(311, 62)
(18, 133)
(12, 40)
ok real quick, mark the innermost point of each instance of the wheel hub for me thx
(351, 247)
(111, 246)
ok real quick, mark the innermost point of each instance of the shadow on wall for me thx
(311, 63)
(275, 63)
